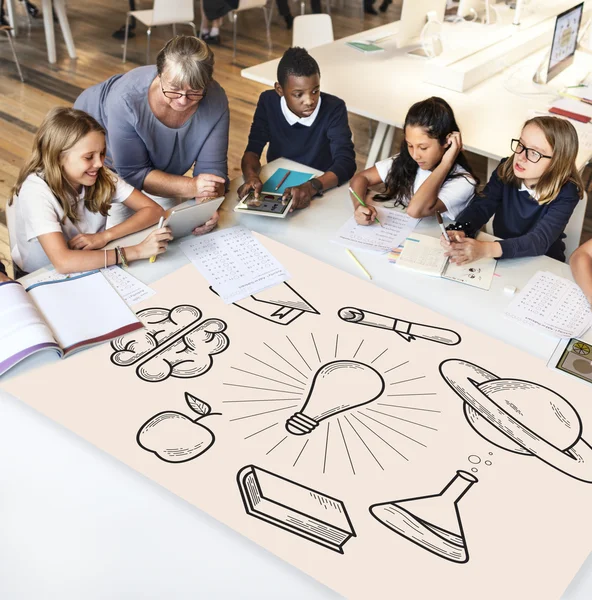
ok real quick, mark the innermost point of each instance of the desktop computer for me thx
(414, 17)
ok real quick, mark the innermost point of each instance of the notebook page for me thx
(83, 310)
(552, 304)
(396, 226)
(23, 331)
(234, 263)
(477, 274)
(424, 254)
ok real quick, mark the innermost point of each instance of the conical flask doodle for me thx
(431, 522)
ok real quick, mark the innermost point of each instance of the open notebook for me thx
(63, 316)
(424, 254)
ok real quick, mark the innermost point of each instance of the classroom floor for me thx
(23, 106)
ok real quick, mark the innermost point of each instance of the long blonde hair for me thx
(563, 139)
(61, 129)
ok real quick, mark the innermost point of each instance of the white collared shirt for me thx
(533, 193)
(293, 119)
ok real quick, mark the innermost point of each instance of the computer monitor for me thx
(565, 40)
(413, 18)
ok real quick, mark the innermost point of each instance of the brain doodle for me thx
(173, 344)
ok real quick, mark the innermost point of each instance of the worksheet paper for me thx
(234, 263)
(131, 290)
(396, 226)
(552, 304)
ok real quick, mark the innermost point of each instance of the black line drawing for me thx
(337, 386)
(431, 522)
(173, 344)
(176, 438)
(281, 304)
(407, 330)
(295, 508)
(522, 417)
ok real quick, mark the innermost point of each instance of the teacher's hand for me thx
(208, 226)
(301, 196)
(208, 185)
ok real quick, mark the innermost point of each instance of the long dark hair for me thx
(435, 116)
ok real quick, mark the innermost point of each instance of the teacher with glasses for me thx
(162, 120)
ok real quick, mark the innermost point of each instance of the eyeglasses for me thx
(191, 96)
(531, 155)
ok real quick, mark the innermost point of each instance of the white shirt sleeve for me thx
(123, 190)
(456, 193)
(39, 209)
(384, 166)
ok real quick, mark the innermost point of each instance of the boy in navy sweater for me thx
(302, 124)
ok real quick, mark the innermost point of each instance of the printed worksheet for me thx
(394, 227)
(132, 290)
(553, 304)
(234, 263)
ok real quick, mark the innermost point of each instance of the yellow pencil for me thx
(358, 263)
(153, 258)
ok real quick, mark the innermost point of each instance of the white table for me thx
(79, 524)
(384, 85)
(47, 8)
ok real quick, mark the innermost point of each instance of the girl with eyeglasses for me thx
(531, 196)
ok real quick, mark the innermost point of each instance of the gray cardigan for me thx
(137, 142)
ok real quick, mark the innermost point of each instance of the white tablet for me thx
(185, 218)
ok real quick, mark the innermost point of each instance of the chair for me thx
(573, 231)
(312, 30)
(247, 5)
(7, 30)
(164, 12)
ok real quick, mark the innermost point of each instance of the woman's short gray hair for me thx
(188, 60)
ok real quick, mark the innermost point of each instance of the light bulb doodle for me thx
(337, 386)
(407, 330)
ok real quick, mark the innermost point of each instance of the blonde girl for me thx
(62, 197)
(531, 196)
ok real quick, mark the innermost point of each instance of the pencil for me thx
(153, 258)
(441, 223)
(363, 203)
(358, 263)
(279, 185)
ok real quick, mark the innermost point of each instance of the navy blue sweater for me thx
(326, 145)
(528, 228)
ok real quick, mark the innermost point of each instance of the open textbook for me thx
(63, 316)
(424, 254)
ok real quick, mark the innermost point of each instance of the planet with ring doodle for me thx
(522, 417)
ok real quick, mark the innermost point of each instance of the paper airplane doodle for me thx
(407, 330)
(522, 417)
(176, 438)
(431, 522)
(281, 304)
(295, 508)
(173, 344)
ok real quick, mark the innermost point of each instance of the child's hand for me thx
(156, 243)
(208, 226)
(301, 196)
(455, 236)
(466, 250)
(253, 184)
(88, 241)
(365, 215)
(454, 143)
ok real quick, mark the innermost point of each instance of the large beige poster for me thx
(384, 449)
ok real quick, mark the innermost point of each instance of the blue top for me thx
(326, 145)
(2, 268)
(528, 228)
(137, 142)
